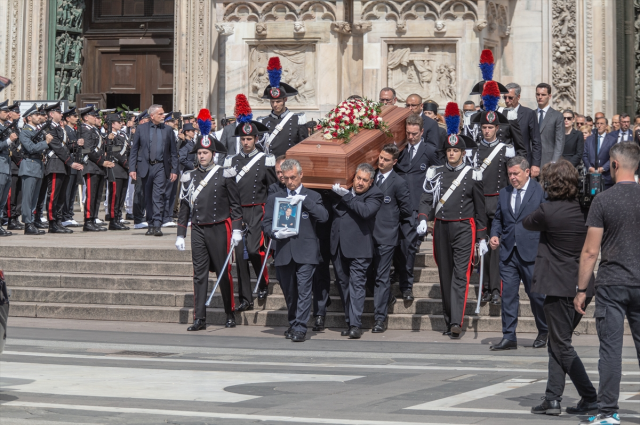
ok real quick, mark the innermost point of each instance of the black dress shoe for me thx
(288, 333)
(40, 225)
(150, 231)
(319, 324)
(495, 298)
(455, 330)
(14, 224)
(345, 332)
(541, 341)
(102, 227)
(61, 227)
(198, 325)
(407, 295)
(504, 345)
(392, 301)
(157, 232)
(298, 337)
(379, 327)
(90, 227)
(244, 306)
(447, 332)
(4, 232)
(262, 294)
(128, 216)
(231, 321)
(486, 297)
(355, 332)
(123, 222)
(548, 407)
(30, 229)
(114, 225)
(583, 407)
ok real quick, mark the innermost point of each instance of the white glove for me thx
(422, 228)
(482, 248)
(236, 238)
(296, 198)
(180, 243)
(339, 190)
(284, 233)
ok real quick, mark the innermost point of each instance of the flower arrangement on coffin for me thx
(351, 116)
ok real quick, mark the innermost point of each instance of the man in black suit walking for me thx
(154, 158)
(352, 242)
(528, 126)
(297, 254)
(396, 206)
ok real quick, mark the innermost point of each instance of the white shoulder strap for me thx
(203, 183)
(453, 187)
(277, 130)
(493, 154)
(247, 167)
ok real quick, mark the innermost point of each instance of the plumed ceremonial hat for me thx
(454, 139)
(210, 143)
(246, 125)
(487, 65)
(490, 98)
(277, 89)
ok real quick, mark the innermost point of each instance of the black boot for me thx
(548, 407)
(62, 228)
(231, 321)
(198, 324)
(39, 224)
(30, 229)
(319, 324)
(113, 225)
(89, 227)
(4, 232)
(102, 227)
(14, 224)
(150, 231)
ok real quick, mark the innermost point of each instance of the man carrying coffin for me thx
(454, 199)
(210, 200)
(297, 253)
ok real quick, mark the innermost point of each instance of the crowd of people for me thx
(496, 183)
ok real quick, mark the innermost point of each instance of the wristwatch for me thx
(581, 290)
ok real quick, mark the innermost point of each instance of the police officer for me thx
(95, 164)
(255, 174)
(75, 177)
(118, 176)
(454, 198)
(286, 129)
(210, 200)
(14, 199)
(5, 161)
(491, 159)
(38, 219)
(56, 170)
(187, 159)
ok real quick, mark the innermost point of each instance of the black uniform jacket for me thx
(530, 134)
(218, 200)
(466, 201)
(95, 145)
(16, 152)
(414, 170)
(57, 157)
(432, 135)
(354, 219)
(304, 248)
(396, 206)
(254, 184)
(291, 134)
(512, 135)
(120, 157)
(72, 146)
(495, 176)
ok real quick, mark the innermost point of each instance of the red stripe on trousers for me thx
(227, 223)
(9, 204)
(113, 201)
(470, 267)
(433, 241)
(51, 196)
(263, 252)
(87, 207)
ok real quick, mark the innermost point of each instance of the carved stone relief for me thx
(498, 19)
(563, 32)
(438, 10)
(68, 50)
(298, 70)
(279, 11)
(429, 70)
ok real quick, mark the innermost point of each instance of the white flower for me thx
(328, 136)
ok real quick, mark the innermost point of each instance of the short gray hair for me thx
(289, 164)
(366, 167)
(153, 109)
(516, 87)
(518, 160)
(388, 89)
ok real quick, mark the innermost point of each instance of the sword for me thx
(224, 267)
(480, 286)
(266, 257)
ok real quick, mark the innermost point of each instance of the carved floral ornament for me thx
(563, 32)
(280, 11)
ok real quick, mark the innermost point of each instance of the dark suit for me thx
(297, 257)
(589, 156)
(75, 176)
(352, 247)
(154, 176)
(288, 222)
(530, 134)
(562, 234)
(433, 136)
(518, 250)
(573, 147)
(396, 206)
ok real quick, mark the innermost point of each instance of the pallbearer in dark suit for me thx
(396, 206)
(352, 242)
(255, 174)
(75, 146)
(297, 254)
(454, 198)
(57, 168)
(118, 176)
(210, 200)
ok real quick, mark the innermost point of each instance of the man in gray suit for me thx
(31, 167)
(551, 125)
(229, 138)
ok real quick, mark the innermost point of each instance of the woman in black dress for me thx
(573, 139)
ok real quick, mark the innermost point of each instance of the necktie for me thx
(154, 147)
(411, 151)
(292, 193)
(517, 207)
(379, 182)
(540, 118)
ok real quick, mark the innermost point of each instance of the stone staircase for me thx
(154, 284)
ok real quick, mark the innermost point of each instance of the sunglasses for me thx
(408, 105)
(568, 118)
(385, 100)
(509, 97)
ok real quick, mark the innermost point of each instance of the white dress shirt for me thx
(544, 112)
(625, 136)
(415, 149)
(294, 192)
(515, 193)
(384, 177)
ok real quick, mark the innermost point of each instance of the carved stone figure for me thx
(77, 50)
(224, 29)
(440, 26)
(563, 31)
(299, 27)
(73, 86)
(64, 86)
(361, 27)
(57, 80)
(261, 30)
(401, 26)
(341, 27)
(480, 25)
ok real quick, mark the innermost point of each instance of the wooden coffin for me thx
(326, 162)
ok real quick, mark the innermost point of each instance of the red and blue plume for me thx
(487, 64)
(275, 71)
(243, 109)
(204, 122)
(452, 118)
(490, 95)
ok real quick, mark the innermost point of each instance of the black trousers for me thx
(70, 196)
(57, 184)
(171, 190)
(139, 202)
(40, 206)
(117, 193)
(491, 280)
(351, 276)
(209, 249)
(296, 281)
(154, 192)
(254, 242)
(453, 243)
(381, 269)
(95, 185)
(14, 203)
(322, 280)
(405, 254)
(562, 320)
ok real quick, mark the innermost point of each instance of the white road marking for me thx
(126, 382)
(261, 418)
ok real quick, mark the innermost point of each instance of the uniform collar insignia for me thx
(278, 117)
(492, 144)
(458, 168)
(249, 155)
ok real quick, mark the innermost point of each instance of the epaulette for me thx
(228, 161)
(302, 118)
(431, 172)
(510, 152)
(228, 172)
(186, 176)
(270, 160)
(477, 174)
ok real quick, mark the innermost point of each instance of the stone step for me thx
(103, 267)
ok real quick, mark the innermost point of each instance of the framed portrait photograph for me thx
(285, 215)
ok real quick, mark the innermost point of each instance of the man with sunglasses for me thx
(388, 96)
(431, 130)
(528, 127)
